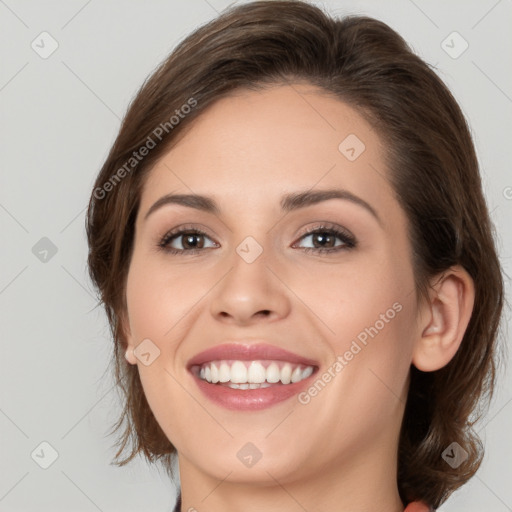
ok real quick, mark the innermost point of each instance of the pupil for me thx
(323, 238)
(189, 241)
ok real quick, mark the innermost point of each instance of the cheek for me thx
(355, 294)
(157, 299)
(160, 296)
(369, 309)
(367, 388)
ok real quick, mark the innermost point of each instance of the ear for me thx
(444, 318)
(125, 329)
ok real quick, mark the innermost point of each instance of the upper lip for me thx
(249, 352)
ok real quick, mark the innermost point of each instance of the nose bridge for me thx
(250, 288)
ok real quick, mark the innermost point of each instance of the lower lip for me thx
(250, 399)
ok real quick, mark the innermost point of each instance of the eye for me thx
(324, 239)
(185, 240)
(328, 239)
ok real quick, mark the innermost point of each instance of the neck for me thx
(357, 484)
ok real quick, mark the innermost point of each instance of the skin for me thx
(337, 452)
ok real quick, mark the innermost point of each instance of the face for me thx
(327, 278)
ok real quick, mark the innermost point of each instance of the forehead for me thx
(259, 144)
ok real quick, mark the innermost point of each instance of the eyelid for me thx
(188, 227)
(328, 226)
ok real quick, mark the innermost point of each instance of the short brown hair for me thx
(432, 167)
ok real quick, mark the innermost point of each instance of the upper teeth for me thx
(254, 372)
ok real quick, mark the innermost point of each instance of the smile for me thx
(245, 377)
(252, 374)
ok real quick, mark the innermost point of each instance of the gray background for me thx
(59, 116)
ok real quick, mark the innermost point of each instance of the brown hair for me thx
(432, 166)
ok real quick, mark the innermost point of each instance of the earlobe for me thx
(130, 356)
(445, 319)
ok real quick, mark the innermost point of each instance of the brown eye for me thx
(185, 241)
(326, 239)
(192, 241)
(323, 240)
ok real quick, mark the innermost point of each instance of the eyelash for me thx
(349, 241)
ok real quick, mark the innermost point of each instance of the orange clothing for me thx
(417, 506)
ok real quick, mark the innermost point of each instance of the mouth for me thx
(251, 374)
(250, 377)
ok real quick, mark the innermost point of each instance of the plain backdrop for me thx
(60, 113)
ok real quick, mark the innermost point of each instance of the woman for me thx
(295, 255)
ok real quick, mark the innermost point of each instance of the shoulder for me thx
(417, 506)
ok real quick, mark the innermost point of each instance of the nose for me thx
(250, 293)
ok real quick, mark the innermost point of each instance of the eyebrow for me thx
(289, 202)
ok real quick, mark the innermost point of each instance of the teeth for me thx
(286, 373)
(257, 386)
(296, 375)
(224, 372)
(253, 374)
(214, 373)
(307, 372)
(273, 374)
(238, 372)
(256, 373)
(249, 386)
